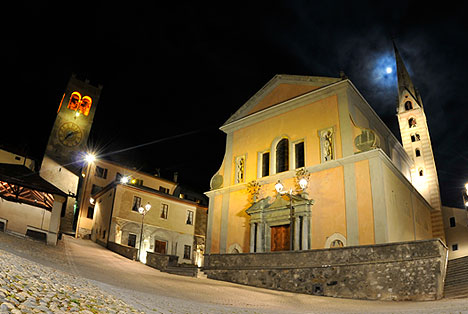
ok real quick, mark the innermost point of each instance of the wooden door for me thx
(280, 238)
(160, 246)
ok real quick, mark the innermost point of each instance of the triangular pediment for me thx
(278, 90)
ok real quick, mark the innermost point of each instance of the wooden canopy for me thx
(20, 184)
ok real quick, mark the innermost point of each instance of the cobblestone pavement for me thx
(80, 276)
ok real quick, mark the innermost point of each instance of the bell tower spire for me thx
(417, 143)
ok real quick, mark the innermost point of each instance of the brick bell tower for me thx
(67, 142)
(417, 144)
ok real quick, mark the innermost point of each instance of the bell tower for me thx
(417, 143)
(61, 164)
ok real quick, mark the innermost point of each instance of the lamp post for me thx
(89, 159)
(143, 211)
(279, 189)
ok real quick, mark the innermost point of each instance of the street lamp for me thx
(143, 211)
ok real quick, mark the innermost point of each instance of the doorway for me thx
(280, 238)
(160, 246)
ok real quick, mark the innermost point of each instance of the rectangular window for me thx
(90, 213)
(136, 203)
(101, 172)
(164, 210)
(455, 247)
(131, 240)
(189, 220)
(266, 164)
(452, 222)
(187, 251)
(299, 152)
(164, 190)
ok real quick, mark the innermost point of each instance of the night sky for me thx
(173, 74)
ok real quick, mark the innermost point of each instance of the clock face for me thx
(69, 134)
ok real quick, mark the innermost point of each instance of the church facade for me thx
(310, 165)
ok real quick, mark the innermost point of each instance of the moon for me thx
(389, 70)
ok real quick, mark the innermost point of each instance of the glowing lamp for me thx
(91, 200)
(303, 183)
(90, 158)
(279, 186)
(388, 70)
(124, 180)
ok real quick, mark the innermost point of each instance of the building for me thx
(15, 157)
(310, 165)
(29, 205)
(456, 231)
(112, 196)
(67, 144)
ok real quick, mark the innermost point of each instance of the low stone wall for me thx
(127, 251)
(161, 261)
(393, 271)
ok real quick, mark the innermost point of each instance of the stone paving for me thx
(29, 287)
(79, 276)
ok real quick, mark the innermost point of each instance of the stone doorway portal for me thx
(281, 238)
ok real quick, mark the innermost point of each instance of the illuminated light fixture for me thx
(388, 70)
(303, 183)
(91, 200)
(133, 181)
(83, 174)
(279, 186)
(124, 180)
(77, 114)
(90, 158)
(466, 203)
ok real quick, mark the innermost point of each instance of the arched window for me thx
(282, 155)
(417, 152)
(408, 105)
(421, 172)
(412, 122)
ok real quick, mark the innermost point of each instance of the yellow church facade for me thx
(357, 189)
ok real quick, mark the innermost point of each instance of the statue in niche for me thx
(240, 167)
(326, 144)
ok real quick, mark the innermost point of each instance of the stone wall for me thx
(161, 261)
(124, 250)
(393, 271)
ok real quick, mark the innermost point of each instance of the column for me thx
(297, 234)
(253, 231)
(305, 232)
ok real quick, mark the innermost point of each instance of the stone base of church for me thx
(393, 271)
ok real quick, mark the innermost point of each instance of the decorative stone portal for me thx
(280, 224)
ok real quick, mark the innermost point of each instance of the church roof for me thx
(404, 80)
(280, 88)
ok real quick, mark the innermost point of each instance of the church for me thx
(310, 165)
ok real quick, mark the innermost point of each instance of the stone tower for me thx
(417, 143)
(63, 158)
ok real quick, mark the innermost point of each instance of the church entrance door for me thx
(280, 238)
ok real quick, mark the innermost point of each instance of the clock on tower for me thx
(73, 123)
(61, 164)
